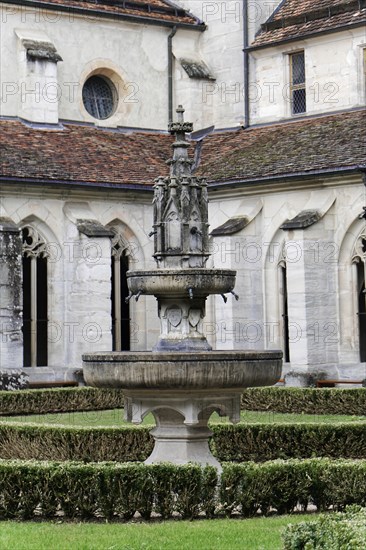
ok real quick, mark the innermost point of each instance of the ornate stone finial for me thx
(180, 127)
(180, 112)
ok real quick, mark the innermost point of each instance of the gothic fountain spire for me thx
(180, 208)
(180, 164)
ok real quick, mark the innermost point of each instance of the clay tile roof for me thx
(85, 154)
(306, 146)
(158, 11)
(295, 19)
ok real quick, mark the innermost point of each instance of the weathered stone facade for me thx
(285, 194)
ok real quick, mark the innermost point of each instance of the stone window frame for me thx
(283, 303)
(113, 97)
(293, 87)
(125, 94)
(36, 248)
(362, 74)
(358, 258)
(119, 248)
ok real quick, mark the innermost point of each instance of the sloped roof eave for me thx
(220, 184)
(196, 24)
(303, 36)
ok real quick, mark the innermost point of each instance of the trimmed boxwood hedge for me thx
(110, 490)
(59, 400)
(42, 442)
(287, 400)
(257, 442)
(305, 400)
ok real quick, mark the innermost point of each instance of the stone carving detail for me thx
(194, 318)
(180, 209)
(33, 244)
(359, 251)
(174, 316)
(119, 245)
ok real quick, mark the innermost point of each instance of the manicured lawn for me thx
(225, 534)
(115, 418)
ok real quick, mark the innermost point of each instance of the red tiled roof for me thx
(86, 154)
(317, 144)
(82, 154)
(148, 10)
(295, 19)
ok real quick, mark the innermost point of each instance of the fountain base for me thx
(181, 434)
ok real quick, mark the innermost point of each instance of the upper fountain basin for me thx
(175, 282)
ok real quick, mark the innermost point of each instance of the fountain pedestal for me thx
(181, 382)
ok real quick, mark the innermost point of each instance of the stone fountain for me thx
(182, 381)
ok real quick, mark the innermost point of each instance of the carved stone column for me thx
(11, 339)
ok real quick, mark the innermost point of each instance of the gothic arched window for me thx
(359, 258)
(35, 306)
(282, 266)
(120, 309)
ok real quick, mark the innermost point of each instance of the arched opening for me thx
(35, 302)
(360, 260)
(361, 300)
(119, 292)
(284, 311)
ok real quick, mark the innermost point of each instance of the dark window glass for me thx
(99, 97)
(298, 101)
(297, 83)
(298, 68)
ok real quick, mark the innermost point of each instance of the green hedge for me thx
(257, 442)
(109, 490)
(287, 400)
(41, 442)
(59, 400)
(342, 530)
(305, 400)
(260, 442)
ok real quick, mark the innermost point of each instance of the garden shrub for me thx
(279, 399)
(42, 442)
(305, 400)
(336, 531)
(239, 443)
(261, 442)
(86, 491)
(76, 490)
(59, 400)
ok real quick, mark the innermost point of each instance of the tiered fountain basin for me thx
(182, 390)
(183, 371)
(176, 282)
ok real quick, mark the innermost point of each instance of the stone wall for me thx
(334, 75)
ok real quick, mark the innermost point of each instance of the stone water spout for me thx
(182, 381)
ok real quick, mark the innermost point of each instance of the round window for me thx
(99, 97)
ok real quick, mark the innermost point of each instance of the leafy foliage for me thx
(239, 443)
(115, 490)
(305, 400)
(339, 531)
(59, 400)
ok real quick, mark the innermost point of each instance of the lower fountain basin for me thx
(175, 282)
(182, 371)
